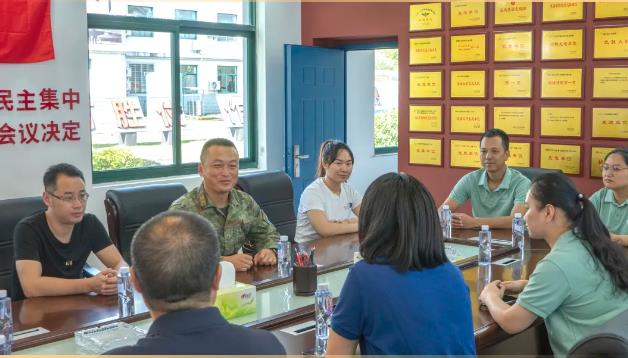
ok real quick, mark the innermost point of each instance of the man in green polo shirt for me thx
(496, 191)
(234, 214)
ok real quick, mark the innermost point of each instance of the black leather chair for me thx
(11, 212)
(609, 341)
(531, 173)
(273, 193)
(128, 208)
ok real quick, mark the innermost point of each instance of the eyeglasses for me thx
(612, 168)
(70, 198)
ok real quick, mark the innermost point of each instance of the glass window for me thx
(228, 78)
(216, 105)
(152, 110)
(189, 79)
(126, 94)
(188, 15)
(206, 10)
(226, 19)
(386, 100)
(140, 11)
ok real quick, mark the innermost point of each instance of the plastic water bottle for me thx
(283, 252)
(6, 324)
(484, 277)
(324, 305)
(445, 222)
(284, 261)
(126, 301)
(518, 266)
(484, 243)
(517, 231)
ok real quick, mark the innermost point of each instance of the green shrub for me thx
(386, 129)
(118, 158)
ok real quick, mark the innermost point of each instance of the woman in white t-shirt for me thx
(329, 206)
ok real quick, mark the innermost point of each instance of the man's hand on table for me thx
(104, 283)
(241, 262)
(265, 257)
(463, 221)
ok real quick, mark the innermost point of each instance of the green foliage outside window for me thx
(386, 134)
(118, 158)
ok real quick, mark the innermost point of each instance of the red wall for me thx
(322, 22)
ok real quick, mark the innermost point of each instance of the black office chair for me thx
(128, 208)
(531, 173)
(609, 341)
(11, 212)
(273, 193)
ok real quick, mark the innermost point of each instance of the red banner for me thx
(25, 31)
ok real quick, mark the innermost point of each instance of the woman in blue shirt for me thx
(405, 297)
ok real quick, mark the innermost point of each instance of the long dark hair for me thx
(558, 190)
(328, 153)
(399, 224)
(622, 151)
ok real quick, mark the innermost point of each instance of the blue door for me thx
(315, 108)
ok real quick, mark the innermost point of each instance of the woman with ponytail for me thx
(329, 206)
(611, 202)
(581, 283)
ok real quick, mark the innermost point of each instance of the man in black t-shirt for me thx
(52, 246)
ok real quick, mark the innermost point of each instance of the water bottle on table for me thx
(324, 306)
(445, 221)
(6, 324)
(517, 231)
(284, 261)
(126, 301)
(484, 244)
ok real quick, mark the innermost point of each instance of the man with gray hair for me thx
(176, 269)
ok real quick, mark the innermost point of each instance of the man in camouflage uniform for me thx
(234, 214)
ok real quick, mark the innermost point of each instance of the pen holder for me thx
(304, 280)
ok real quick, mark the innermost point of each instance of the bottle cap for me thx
(283, 238)
(518, 215)
(484, 227)
(323, 285)
(123, 269)
(3, 293)
(445, 207)
(3, 339)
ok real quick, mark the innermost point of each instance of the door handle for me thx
(296, 157)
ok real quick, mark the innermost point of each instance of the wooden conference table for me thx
(280, 311)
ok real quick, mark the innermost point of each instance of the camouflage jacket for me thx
(245, 220)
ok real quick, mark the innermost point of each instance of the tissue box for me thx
(236, 301)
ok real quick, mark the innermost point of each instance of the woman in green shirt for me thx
(580, 284)
(611, 202)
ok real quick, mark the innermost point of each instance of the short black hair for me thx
(329, 152)
(52, 173)
(399, 224)
(496, 132)
(175, 255)
(222, 142)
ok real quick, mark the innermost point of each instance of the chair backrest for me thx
(610, 340)
(273, 193)
(531, 173)
(11, 212)
(128, 208)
